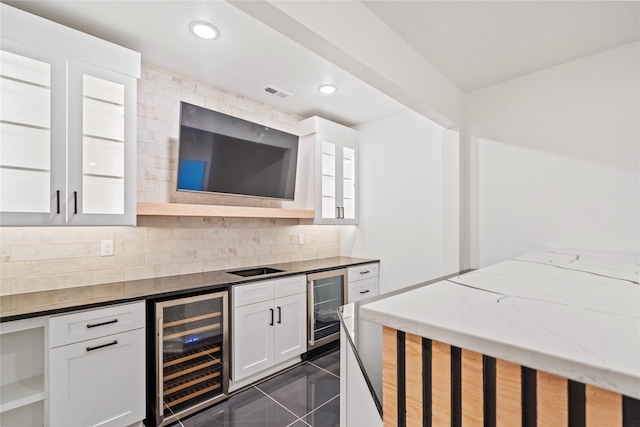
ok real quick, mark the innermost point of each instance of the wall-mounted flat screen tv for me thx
(219, 153)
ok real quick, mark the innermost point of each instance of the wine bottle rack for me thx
(192, 361)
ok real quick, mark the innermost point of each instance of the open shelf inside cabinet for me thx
(22, 361)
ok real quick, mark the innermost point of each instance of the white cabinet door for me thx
(290, 328)
(252, 338)
(100, 382)
(102, 146)
(32, 136)
(337, 184)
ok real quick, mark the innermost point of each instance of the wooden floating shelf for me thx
(182, 209)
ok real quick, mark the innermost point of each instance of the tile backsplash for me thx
(47, 258)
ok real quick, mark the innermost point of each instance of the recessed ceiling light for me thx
(204, 30)
(328, 89)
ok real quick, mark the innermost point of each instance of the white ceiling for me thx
(480, 43)
(473, 44)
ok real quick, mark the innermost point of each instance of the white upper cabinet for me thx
(335, 162)
(67, 125)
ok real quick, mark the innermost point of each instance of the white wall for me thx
(408, 200)
(555, 158)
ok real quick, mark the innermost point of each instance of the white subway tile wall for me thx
(47, 258)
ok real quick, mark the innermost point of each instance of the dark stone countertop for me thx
(33, 304)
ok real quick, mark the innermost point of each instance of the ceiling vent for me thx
(277, 92)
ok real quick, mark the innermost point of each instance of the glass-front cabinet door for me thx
(338, 182)
(32, 136)
(349, 184)
(68, 141)
(102, 147)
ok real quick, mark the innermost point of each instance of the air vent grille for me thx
(277, 92)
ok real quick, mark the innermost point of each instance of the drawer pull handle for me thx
(365, 292)
(114, 342)
(365, 272)
(95, 325)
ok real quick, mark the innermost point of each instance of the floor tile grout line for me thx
(325, 403)
(285, 408)
(320, 367)
(299, 419)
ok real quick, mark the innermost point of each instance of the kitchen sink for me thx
(260, 271)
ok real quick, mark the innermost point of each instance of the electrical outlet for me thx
(107, 248)
(301, 239)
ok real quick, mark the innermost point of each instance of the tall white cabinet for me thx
(332, 150)
(67, 125)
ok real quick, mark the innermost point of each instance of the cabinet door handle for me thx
(365, 272)
(58, 201)
(94, 325)
(365, 292)
(114, 342)
(279, 315)
(75, 202)
(271, 310)
(337, 213)
(342, 210)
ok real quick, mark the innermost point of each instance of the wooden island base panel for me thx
(429, 383)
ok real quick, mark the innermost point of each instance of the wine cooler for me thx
(192, 355)
(326, 292)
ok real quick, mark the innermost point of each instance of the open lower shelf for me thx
(182, 209)
(22, 393)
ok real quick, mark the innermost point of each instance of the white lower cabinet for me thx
(270, 331)
(290, 338)
(100, 379)
(253, 335)
(363, 281)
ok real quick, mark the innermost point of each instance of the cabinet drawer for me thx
(90, 324)
(362, 272)
(290, 286)
(363, 289)
(252, 293)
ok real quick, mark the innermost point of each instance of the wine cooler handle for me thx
(311, 322)
(114, 342)
(279, 314)
(271, 310)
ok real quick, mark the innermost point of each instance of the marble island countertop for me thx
(571, 313)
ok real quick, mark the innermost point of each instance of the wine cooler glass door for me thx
(327, 292)
(192, 354)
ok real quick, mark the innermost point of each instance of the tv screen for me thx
(223, 154)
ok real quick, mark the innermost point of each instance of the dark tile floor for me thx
(307, 395)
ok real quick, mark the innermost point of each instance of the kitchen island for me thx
(548, 338)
